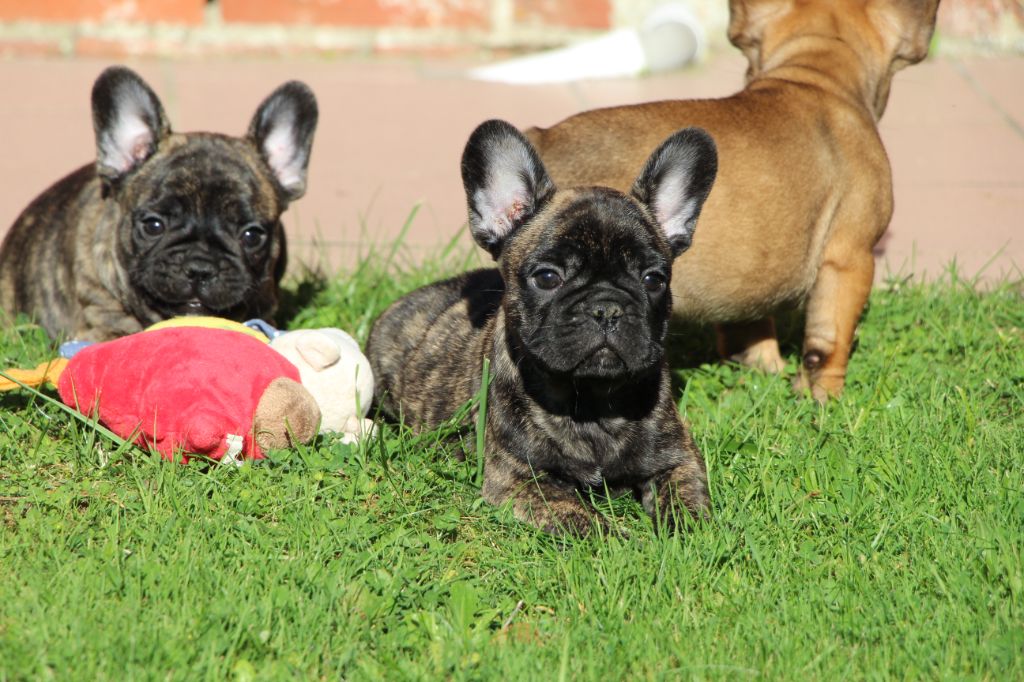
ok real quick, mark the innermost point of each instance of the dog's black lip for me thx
(603, 348)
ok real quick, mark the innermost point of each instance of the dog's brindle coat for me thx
(580, 396)
(163, 224)
(804, 189)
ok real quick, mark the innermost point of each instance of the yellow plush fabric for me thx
(210, 323)
(47, 372)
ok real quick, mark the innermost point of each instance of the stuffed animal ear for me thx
(282, 130)
(286, 414)
(318, 351)
(675, 182)
(128, 119)
(505, 182)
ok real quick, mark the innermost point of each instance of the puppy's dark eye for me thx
(254, 236)
(152, 226)
(547, 279)
(654, 282)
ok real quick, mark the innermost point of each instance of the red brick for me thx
(166, 11)
(359, 13)
(566, 13)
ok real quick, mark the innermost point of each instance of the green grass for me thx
(879, 536)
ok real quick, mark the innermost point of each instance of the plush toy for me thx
(192, 390)
(336, 372)
(214, 387)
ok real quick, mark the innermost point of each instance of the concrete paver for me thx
(391, 134)
(958, 171)
(999, 81)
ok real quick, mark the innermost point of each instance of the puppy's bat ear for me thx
(748, 20)
(128, 119)
(505, 183)
(905, 27)
(675, 181)
(282, 130)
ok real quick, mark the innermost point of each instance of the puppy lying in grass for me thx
(572, 324)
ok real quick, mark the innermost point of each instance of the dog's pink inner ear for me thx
(674, 208)
(515, 210)
(283, 156)
(131, 143)
(505, 205)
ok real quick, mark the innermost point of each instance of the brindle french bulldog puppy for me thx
(573, 322)
(163, 223)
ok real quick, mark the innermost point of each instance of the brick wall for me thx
(72, 11)
(201, 27)
(197, 27)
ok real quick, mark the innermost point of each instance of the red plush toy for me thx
(181, 390)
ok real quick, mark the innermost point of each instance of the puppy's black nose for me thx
(200, 270)
(606, 314)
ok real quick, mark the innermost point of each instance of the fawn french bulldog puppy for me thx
(804, 188)
(573, 322)
(163, 223)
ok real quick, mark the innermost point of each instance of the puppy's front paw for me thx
(553, 509)
(568, 517)
(678, 494)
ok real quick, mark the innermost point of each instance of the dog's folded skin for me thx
(804, 188)
(163, 223)
(573, 323)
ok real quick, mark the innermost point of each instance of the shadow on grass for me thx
(298, 293)
(17, 400)
(692, 345)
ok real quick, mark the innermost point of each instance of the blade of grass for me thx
(481, 420)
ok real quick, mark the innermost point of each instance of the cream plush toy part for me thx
(335, 371)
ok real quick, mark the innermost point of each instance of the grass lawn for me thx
(878, 536)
